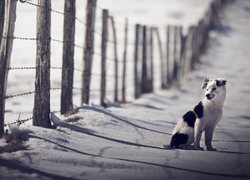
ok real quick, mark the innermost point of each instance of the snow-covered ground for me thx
(126, 142)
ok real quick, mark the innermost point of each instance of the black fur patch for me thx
(220, 83)
(199, 110)
(189, 117)
(178, 139)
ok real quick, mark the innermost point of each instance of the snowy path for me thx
(126, 142)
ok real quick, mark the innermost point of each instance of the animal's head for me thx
(215, 89)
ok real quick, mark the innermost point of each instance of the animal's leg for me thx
(197, 134)
(208, 138)
(197, 140)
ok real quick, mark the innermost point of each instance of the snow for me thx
(125, 142)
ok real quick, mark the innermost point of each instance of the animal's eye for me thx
(213, 89)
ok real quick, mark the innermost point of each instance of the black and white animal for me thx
(204, 117)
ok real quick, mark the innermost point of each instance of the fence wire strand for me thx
(19, 38)
(19, 121)
(26, 93)
(18, 95)
(21, 68)
(52, 10)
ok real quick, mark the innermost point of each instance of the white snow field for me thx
(125, 142)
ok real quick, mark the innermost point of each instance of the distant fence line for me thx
(186, 51)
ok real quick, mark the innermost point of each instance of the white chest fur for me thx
(212, 113)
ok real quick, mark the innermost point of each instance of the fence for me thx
(186, 50)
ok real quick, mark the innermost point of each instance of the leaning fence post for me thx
(175, 70)
(144, 80)
(168, 73)
(104, 53)
(116, 60)
(194, 46)
(1, 19)
(88, 49)
(5, 54)
(41, 111)
(184, 52)
(162, 64)
(136, 57)
(187, 57)
(181, 55)
(68, 56)
(124, 62)
(151, 42)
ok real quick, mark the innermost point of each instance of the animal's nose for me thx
(208, 96)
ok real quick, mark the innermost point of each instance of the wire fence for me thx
(62, 42)
(183, 58)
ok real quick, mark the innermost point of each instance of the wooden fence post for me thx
(144, 80)
(124, 62)
(194, 47)
(41, 111)
(188, 51)
(175, 61)
(116, 60)
(168, 73)
(104, 54)
(184, 53)
(5, 54)
(182, 40)
(151, 43)
(162, 64)
(214, 8)
(178, 41)
(136, 57)
(88, 49)
(202, 37)
(1, 19)
(68, 56)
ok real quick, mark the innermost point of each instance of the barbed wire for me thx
(95, 53)
(59, 12)
(60, 68)
(78, 19)
(21, 68)
(52, 10)
(111, 59)
(96, 90)
(19, 121)
(25, 94)
(32, 68)
(18, 95)
(59, 41)
(19, 38)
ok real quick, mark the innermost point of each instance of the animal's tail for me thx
(178, 139)
(171, 145)
(173, 142)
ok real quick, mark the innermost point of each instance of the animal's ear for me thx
(221, 82)
(204, 85)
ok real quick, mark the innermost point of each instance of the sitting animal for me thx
(204, 117)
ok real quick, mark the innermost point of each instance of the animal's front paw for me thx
(211, 149)
(198, 148)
